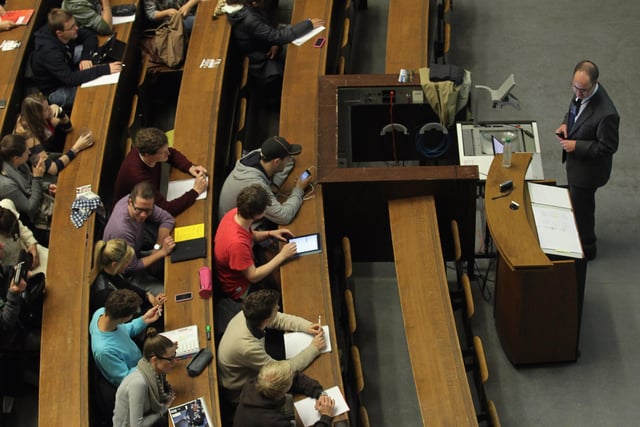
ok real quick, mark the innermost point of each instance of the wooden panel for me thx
(407, 35)
(195, 135)
(65, 334)
(305, 281)
(504, 223)
(12, 63)
(436, 360)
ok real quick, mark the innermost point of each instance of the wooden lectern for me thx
(538, 300)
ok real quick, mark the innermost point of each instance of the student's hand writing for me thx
(200, 184)
(315, 329)
(319, 342)
(196, 170)
(325, 405)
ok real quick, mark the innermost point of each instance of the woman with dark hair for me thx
(144, 396)
(25, 187)
(110, 259)
(41, 124)
(16, 237)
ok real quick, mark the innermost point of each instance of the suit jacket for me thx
(596, 135)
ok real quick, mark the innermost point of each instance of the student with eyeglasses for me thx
(61, 59)
(144, 396)
(134, 216)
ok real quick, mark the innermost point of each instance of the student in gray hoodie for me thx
(268, 166)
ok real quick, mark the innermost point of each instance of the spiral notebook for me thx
(187, 339)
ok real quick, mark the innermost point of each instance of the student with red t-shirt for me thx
(233, 248)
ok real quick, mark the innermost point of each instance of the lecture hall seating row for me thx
(199, 130)
(13, 63)
(65, 338)
(305, 281)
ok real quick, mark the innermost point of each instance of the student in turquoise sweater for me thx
(112, 330)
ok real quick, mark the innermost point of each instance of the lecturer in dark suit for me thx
(589, 138)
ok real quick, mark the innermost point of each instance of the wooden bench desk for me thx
(407, 35)
(436, 360)
(195, 134)
(12, 68)
(64, 386)
(305, 281)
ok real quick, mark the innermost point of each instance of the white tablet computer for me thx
(307, 244)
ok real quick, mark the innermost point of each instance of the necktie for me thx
(573, 112)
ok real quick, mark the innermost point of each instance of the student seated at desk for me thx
(159, 11)
(5, 25)
(110, 259)
(241, 353)
(128, 222)
(112, 330)
(144, 163)
(144, 396)
(264, 401)
(236, 268)
(19, 346)
(269, 166)
(42, 124)
(24, 186)
(16, 237)
(94, 15)
(61, 59)
(261, 42)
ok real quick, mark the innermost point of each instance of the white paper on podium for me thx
(295, 342)
(109, 79)
(177, 188)
(302, 40)
(307, 411)
(555, 223)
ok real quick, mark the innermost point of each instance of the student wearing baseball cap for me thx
(268, 166)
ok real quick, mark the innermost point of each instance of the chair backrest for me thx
(346, 251)
(357, 367)
(351, 310)
(363, 417)
(468, 297)
(482, 360)
(493, 414)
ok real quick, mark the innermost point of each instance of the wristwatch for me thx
(156, 247)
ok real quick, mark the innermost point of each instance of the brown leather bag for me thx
(170, 42)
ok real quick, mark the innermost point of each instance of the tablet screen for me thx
(307, 244)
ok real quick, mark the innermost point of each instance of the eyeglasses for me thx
(582, 90)
(141, 210)
(73, 26)
(168, 359)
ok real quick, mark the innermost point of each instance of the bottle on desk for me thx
(506, 154)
